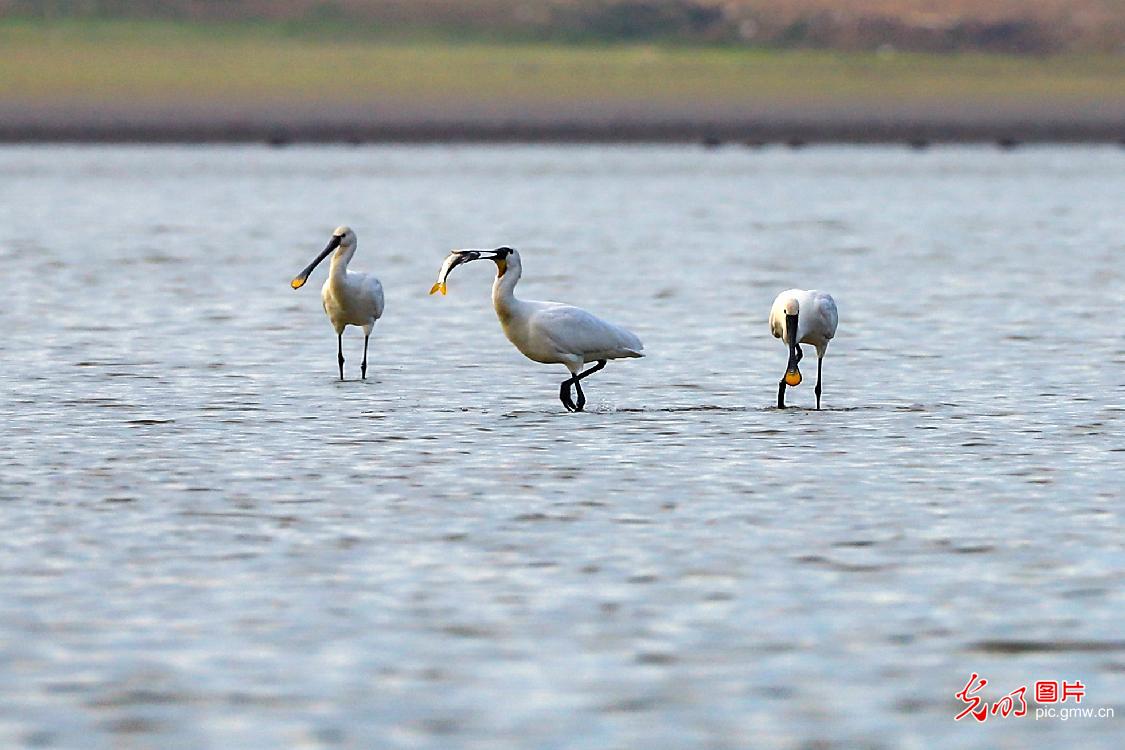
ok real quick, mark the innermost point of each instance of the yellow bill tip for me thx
(297, 283)
(438, 287)
(793, 377)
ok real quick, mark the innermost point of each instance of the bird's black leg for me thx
(340, 353)
(819, 362)
(578, 384)
(363, 366)
(592, 370)
(581, 396)
(564, 395)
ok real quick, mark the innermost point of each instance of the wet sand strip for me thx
(750, 132)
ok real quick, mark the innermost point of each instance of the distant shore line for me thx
(792, 134)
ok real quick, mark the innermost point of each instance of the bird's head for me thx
(346, 235)
(343, 242)
(505, 258)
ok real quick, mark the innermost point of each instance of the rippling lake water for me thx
(209, 541)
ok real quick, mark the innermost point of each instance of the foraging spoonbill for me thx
(802, 317)
(350, 298)
(547, 332)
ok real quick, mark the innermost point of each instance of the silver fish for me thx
(456, 258)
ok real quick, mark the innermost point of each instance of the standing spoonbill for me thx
(802, 317)
(350, 298)
(548, 332)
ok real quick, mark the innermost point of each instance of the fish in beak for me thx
(792, 373)
(456, 258)
(300, 279)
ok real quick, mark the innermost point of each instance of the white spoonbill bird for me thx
(802, 317)
(548, 332)
(350, 298)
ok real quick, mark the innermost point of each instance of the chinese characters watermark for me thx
(1047, 693)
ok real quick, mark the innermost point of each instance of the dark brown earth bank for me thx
(592, 124)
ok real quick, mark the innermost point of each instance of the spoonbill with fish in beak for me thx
(548, 332)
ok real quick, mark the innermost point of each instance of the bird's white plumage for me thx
(350, 298)
(554, 333)
(563, 334)
(817, 317)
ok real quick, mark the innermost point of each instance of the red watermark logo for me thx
(978, 708)
(1047, 692)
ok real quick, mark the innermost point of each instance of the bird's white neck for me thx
(504, 290)
(340, 260)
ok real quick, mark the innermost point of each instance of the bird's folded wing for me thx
(377, 294)
(826, 308)
(575, 331)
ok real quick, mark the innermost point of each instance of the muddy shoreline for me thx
(796, 132)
